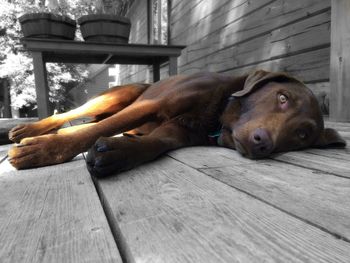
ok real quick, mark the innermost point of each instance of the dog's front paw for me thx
(41, 151)
(108, 156)
(22, 131)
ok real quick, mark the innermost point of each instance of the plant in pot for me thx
(49, 22)
(106, 22)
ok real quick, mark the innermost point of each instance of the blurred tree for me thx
(16, 64)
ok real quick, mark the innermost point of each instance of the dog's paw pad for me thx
(102, 148)
(101, 145)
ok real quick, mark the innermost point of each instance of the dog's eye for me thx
(302, 134)
(282, 98)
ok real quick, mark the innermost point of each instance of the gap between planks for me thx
(123, 247)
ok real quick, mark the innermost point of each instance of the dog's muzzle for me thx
(260, 144)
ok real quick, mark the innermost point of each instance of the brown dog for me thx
(256, 114)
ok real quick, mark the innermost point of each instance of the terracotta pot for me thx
(105, 28)
(46, 25)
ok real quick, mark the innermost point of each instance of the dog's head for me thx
(274, 112)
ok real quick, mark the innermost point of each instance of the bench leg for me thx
(156, 71)
(172, 66)
(41, 85)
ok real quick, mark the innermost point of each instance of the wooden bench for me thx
(199, 204)
(69, 51)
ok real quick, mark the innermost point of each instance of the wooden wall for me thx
(237, 36)
(340, 61)
(138, 34)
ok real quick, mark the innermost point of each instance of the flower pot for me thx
(105, 28)
(46, 25)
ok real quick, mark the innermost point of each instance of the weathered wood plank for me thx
(209, 157)
(167, 211)
(181, 9)
(309, 66)
(340, 61)
(306, 35)
(341, 154)
(334, 161)
(215, 18)
(188, 15)
(316, 197)
(322, 163)
(53, 214)
(243, 25)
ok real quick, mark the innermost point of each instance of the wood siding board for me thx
(232, 11)
(185, 9)
(250, 28)
(135, 74)
(186, 216)
(237, 26)
(310, 66)
(266, 47)
(278, 44)
(317, 88)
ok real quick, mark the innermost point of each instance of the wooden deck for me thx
(200, 204)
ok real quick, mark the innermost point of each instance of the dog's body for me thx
(257, 114)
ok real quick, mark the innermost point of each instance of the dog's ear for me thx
(329, 138)
(258, 78)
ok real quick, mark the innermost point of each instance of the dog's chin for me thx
(240, 148)
(247, 153)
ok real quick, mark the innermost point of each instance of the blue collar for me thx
(215, 134)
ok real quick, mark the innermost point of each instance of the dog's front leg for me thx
(57, 148)
(114, 154)
(106, 104)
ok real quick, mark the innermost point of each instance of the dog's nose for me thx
(261, 143)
